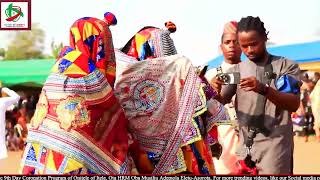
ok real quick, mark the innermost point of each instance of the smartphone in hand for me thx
(229, 78)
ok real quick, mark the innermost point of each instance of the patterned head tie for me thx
(110, 18)
(90, 48)
(151, 42)
(230, 27)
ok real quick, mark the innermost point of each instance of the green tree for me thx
(27, 44)
(2, 52)
(56, 48)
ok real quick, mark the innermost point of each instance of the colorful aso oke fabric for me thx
(150, 42)
(77, 121)
(90, 43)
(164, 100)
(159, 99)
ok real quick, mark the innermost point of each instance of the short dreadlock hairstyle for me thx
(252, 23)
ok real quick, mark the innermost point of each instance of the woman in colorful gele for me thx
(166, 104)
(75, 129)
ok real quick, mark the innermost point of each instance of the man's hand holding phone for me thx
(252, 84)
(216, 83)
(225, 79)
(229, 78)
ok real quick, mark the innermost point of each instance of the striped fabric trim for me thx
(94, 87)
(151, 144)
(184, 119)
(168, 47)
(193, 134)
(201, 106)
(76, 146)
(219, 115)
(91, 82)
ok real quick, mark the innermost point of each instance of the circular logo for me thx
(148, 95)
(13, 13)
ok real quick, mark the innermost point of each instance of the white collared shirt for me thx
(5, 102)
(211, 73)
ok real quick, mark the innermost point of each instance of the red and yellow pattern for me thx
(47, 161)
(90, 47)
(77, 122)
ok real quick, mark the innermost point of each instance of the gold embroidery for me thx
(72, 113)
(41, 111)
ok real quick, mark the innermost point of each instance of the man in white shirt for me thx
(5, 102)
(226, 132)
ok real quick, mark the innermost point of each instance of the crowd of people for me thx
(306, 118)
(18, 112)
(146, 109)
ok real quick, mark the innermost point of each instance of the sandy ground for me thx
(306, 158)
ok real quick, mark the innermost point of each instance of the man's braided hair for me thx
(252, 23)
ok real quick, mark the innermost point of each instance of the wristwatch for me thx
(264, 89)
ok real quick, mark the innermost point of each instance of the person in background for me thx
(31, 105)
(5, 102)
(13, 141)
(316, 77)
(20, 128)
(305, 106)
(315, 105)
(22, 120)
(227, 134)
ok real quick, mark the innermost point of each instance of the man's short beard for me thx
(257, 59)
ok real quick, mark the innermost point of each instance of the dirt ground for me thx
(306, 158)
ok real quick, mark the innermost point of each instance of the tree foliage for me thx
(55, 49)
(27, 44)
(2, 52)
